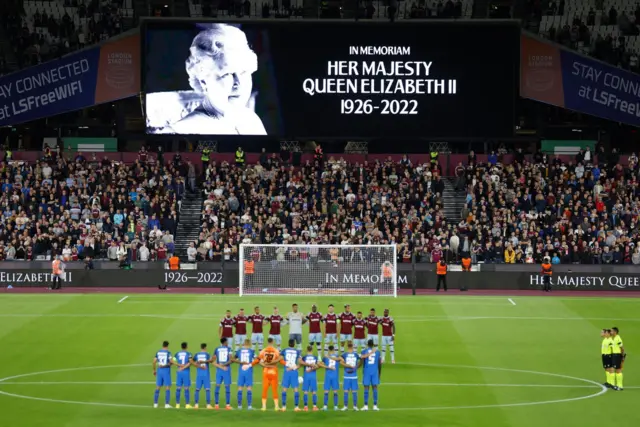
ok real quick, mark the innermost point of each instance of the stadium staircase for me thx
(189, 225)
(452, 201)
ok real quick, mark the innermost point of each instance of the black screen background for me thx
(482, 56)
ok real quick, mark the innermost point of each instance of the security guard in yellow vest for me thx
(206, 153)
(240, 157)
(434, 158)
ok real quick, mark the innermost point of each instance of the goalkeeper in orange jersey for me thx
(269, 359)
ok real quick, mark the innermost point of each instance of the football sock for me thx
(284, 398)
(611, 378)
(217, 394)
(315, 400)
(326, 399)
(296, 398)
(178, 392)
(346, 398)
(392, 348)
(187, 395)
(366, 396)
(167, 396)
(318, 347)
(227, 394)
(335, 398)
(619, 379)
(156, 395)
(355, 398)
(264, 403)
(196, 398)
(306, 399)
(275, 403)
(240, 398)
(375, 396)
(207, 394)
(249, 398)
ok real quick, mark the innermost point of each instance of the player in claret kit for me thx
(245, 357)
(162, 371)
(290, 359)
(388, 335)
(346, 326)
(331, 362)
(330, 329)
(351, 362)
(371, 374)
(373, 326)
(223, 359)
(359, 325)
(202, 360)
(315, 327)
(225, 330)
(257, 335)
(310, 379)
(276, 322)
(240, 322)
(183, 381)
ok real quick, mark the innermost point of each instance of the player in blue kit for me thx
(245, 357)
(351, 362)
(162, 371)
(183, 378)
(223, 359)
(202, 361)
(290, 359)
(331, 362)
(372, 361)
(310, 379)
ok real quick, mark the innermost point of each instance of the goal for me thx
(318, 270)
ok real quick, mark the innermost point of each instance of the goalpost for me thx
(347, 270)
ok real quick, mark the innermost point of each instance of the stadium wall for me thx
(421, 276)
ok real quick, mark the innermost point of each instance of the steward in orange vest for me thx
(441, 271)
(547, 272)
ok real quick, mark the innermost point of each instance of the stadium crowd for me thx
(84, 208)
(41, 37)
(582, 211)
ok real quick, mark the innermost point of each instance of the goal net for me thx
(318, 270)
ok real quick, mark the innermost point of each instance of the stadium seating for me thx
(499, 223)
(606, 23)
(87, 207)
(378, 9)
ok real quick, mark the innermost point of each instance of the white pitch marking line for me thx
(603, 389)
(122, 299)
(403, 319)
(258, 382)
(512, 301)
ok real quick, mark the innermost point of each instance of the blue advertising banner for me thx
(93, 76)
(52, 88)
(599, 89)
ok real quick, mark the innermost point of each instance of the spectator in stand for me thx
(80, 209)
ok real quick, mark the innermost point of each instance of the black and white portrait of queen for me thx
(219, 69)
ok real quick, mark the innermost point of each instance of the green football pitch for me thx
(85, 360)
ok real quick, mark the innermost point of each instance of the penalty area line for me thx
(122, 299)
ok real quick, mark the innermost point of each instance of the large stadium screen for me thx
(330, 79)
